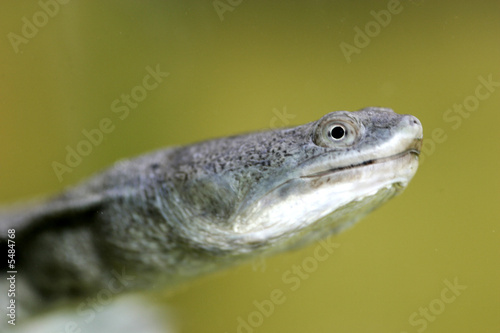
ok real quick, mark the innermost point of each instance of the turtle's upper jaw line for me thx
(414, 151)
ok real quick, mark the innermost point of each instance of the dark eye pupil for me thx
(337, 132)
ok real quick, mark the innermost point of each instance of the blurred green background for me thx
(234, 67)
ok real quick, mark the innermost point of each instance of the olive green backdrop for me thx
(237, 66)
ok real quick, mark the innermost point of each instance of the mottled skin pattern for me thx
(180, 212)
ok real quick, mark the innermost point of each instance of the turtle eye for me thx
(337, 132)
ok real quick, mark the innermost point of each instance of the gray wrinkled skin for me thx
(177, 213)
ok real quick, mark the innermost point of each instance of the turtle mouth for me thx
(412, 151)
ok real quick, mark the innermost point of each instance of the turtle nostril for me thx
(414, 121)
